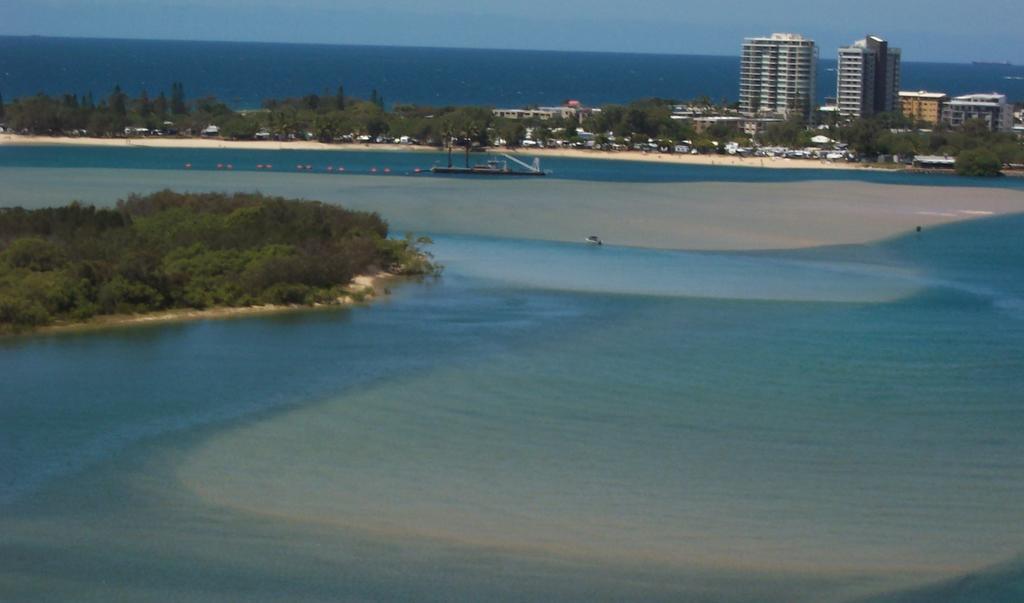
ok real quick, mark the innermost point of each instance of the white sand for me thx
(207, 143)
(367, 284)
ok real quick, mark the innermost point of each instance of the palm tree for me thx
(448, 132)
(471, 132)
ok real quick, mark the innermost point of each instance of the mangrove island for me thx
(169, 251)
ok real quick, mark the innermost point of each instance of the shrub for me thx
(34, 253)
(978, 162)
(21, 313)
(121, 296)
(287, 293)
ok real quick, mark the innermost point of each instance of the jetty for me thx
(494, 167)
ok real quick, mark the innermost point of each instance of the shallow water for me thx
(711, 214)
(548, 421)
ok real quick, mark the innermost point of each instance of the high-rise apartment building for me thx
(777, 75)
(868, 78)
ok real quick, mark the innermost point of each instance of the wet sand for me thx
(694, 215)
(363, 288)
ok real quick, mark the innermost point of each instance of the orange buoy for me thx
(387, 170)
(259, 166)
(268, 166)
(188, 166)
(417, 170)
(330, 168)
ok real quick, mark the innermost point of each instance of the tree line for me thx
(326, 118)
(169, 250)
(338, 117)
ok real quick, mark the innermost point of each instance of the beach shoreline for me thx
(362, 289)
(304, 145)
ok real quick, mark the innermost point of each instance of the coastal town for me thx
(869, 122)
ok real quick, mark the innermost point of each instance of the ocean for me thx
(645, 421)
(244, 74)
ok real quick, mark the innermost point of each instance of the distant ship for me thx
(993, 63)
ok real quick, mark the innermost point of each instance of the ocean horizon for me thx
(243, 74)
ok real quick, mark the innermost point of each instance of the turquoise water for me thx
(548, 421)
(404, 164)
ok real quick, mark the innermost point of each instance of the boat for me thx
(493, 167)
(992, 63)
(594, 240)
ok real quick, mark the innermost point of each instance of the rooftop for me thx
(923, 94)
(992, 97)
(780, 37)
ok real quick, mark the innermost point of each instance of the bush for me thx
(978, 162)
(122, 296)
(34, 253)
(287, 293)
(21, 313)
(170, 250)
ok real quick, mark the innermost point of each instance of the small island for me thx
(186, 255)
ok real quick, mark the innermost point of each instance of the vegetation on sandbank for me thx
(169, 251)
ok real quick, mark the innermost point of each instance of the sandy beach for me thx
(363, 288)
(303, 145)
(721, 160)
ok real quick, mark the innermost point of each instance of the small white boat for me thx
(594, 240)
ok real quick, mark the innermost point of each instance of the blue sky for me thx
(927, 30)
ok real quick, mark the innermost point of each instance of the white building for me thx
(868, 78)
(777, 75)
(541, 113)
(989, 108)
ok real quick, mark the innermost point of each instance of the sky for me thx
(926, 30)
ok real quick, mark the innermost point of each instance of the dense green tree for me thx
(377, 98)
(790, 133)
(178, 106)
(33, 253)
(888, 134)
(118, 102)
(160, 106)
(513, 134)
(169, 250)
(239, 128)
(2, 111)
(978, 162)
(145, 106)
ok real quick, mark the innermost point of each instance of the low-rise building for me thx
(702, 124)
(990, 108)
(748, 125)
(934, 161)
(923, 105)
(570, 110)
